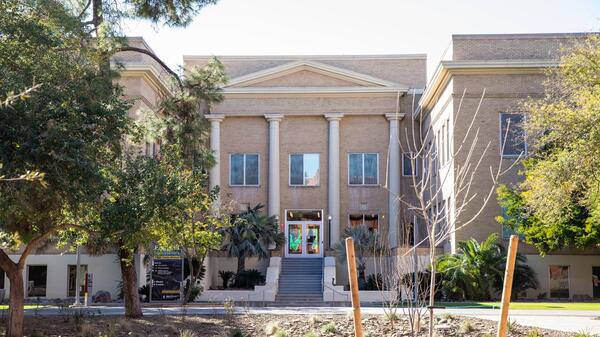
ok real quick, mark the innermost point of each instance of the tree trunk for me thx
(16, 313)
(241, 263)
(133, 307)
(431, 289)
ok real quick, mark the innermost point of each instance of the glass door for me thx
(304, 233)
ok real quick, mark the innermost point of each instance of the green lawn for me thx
(528, 305)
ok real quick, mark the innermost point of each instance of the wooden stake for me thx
(508, 280)
(351, 257)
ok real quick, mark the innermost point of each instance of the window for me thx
(511, 128)
(304, 169)
(369, 219)
(72, 270)
(407, 165)
(596, 281)
(152, 149)
(36, 281)
(243, 169)
(363, 168)
(559, 281)
(447, 141)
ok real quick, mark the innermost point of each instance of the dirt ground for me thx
(69, 325)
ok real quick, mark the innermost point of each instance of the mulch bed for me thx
(69, 324)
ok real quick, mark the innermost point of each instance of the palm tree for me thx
(250, 234)
(366, 242)
(478, 269)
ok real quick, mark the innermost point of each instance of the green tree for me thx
(68, 129)
(366, 243)
(558, 203)
(476, 271)
(192, 222)
(250, 234)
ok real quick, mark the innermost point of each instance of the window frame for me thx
(415, 170)
(303, 178)
(363, 168)
(27, 280)
(501, 135)
(364, 213)
(244, 184)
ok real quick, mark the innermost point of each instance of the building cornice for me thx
(323, 69)
(149, 74)
(310, 57)
(446, 69)
(316, 91)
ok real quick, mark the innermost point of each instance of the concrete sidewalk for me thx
(562, 320)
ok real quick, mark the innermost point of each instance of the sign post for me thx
(351, 257)
(508, 280)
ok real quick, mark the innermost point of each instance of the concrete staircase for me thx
(300, 282)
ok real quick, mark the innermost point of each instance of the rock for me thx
(101, 296)
(443, 327)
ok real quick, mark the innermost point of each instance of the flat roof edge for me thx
(522, 35)
(313, 57)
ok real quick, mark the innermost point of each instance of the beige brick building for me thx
(321, 141)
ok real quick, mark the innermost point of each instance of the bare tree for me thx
(426, 209)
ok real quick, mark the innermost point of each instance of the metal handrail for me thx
(347, 296)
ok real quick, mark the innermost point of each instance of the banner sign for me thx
(167, 276)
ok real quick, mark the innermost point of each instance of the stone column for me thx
(214, 175)
(274, 168)
(394, 179)
(333, 177)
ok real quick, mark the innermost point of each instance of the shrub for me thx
(236, 333)
(145, 291)
(271, 328)
(583, 333)
(465, 327)
(534, 333)
(328, 328)
(187, 333)
(314, 334)
(248, 278)
(280, 333)
(375, 282)
(226, 276)
(391, 316)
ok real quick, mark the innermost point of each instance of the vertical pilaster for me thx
(333, 177)
(274, 168)
(394, 179)
(214, 174)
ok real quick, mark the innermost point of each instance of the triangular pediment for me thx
(307, 74)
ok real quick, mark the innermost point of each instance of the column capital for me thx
(394, 116)
(334, 116)
(215, 117)
(274, 117)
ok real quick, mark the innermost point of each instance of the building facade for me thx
(324, 142)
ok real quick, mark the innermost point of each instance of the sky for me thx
(309, 27)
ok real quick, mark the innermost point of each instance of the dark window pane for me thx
(296, 169)
(511, 127)
(407, 165)
(355, 168)
(251, 169)
(237, 169)
(36, 281)
(371, 168)
(356, 219)
(372, 220)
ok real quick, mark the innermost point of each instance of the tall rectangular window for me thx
(36, 281)
(243, 169)
(512, 135)
(363, 168)
(559, 281)
(72, 281)
(408, 169)
(304, 169)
